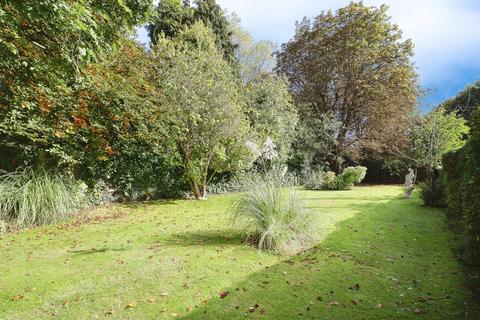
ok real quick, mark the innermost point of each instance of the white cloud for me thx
(445, 32)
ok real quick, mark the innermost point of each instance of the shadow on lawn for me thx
(94, 250)
(148, 204)
(204, 238)
(365, 270)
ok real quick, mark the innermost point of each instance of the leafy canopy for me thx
(352, 65)
(207, 125)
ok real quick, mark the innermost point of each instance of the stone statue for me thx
(409, 183)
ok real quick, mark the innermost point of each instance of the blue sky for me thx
(446, 34)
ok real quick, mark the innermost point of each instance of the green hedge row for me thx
(462, 170)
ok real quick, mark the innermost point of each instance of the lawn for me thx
(381, 257)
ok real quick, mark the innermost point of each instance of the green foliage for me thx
(125, 127)
(465, 103)
(271, 113)
(351, 175)
(272, 220)
(173, 16)
(29, 198)
(207, 125)
(328, 180)
(353, 65)
(314, 144)
(44, 46)
(433, 195)
(462, 169)
(211, 14)
(436, 134)
(319, 180)
(255, 59)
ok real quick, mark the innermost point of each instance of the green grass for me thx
(381, 257)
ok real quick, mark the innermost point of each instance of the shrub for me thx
(241, 182)
(353, 175)
(273, 219)
(433, 196)
(328, 180)
(315, 181)
(29, 198)
(319, 180)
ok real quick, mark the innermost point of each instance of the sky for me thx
(446, 34)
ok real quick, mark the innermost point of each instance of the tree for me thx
(314, 144)
(271, 113)
(435, 135)
(255, 59)
(175, 15)
(212, 16)
(172, 16)
(207, 125)
(465, 102)
(44, 47)
(117, 135)
(352, 66)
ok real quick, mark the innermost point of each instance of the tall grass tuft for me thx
(30, 198)
(274, 219)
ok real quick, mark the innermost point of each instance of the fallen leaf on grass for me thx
(223, 294)
(17, 297)
(110, 312)
(418, 311)
(355, 287)
(130, 306)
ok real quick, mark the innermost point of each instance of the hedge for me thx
(462, 170)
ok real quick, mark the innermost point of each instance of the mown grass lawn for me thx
(381, 257)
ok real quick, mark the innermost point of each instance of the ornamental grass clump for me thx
(274, 219)
(29, 198)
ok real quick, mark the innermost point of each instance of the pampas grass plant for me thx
(274, 219)
(32, 198)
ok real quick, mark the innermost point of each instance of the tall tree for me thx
(44, 44)
(172, 16)
(465, 102)
(255, 58)
(271, 113)
(352, 65)
(208, 128)
(213, 16)
(175, 15)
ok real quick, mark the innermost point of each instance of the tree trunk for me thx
(194, 188)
